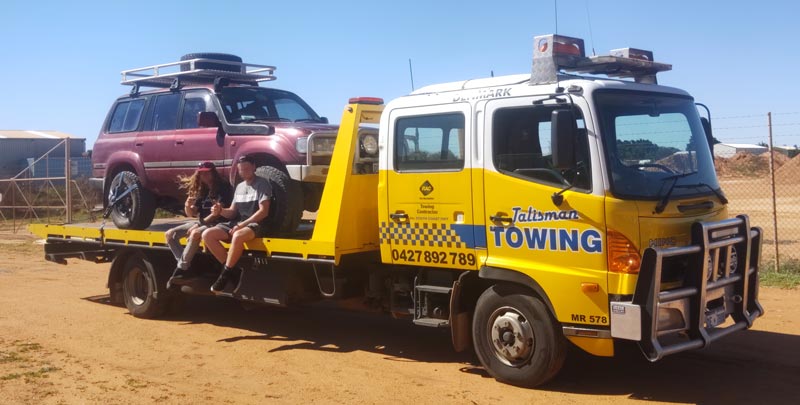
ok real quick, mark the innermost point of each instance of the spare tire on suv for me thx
(211, 65)
(286, 207)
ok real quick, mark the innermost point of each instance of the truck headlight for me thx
(301, 145)
(369, 143)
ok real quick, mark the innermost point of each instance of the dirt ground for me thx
(61, 342)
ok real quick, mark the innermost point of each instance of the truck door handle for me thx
(399, 216)
(500, 217)
(179, 142)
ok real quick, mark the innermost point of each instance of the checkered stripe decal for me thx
(420, 234)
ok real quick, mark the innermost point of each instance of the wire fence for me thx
(765, 185)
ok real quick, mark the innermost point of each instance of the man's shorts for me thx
(257, 228)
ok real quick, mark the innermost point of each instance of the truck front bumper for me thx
(720, 280)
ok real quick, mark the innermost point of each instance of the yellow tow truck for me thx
(522, 212)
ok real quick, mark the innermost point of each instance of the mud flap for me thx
(259, 285)
(459, 321)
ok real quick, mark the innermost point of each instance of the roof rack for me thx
(164, 75)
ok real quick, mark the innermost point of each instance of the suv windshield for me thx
(244, 104)
(654, 143)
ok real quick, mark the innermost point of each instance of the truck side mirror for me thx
(207, 119)
(709, 135)
(563, 131)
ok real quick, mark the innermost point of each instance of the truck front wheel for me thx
(515, 337)
(139, 289)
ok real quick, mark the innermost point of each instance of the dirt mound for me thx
(789, 172)
(748, 165)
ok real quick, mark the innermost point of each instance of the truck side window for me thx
(126, 116)
(193, 104)
(521, 147)
(430, 142)
(165, 112)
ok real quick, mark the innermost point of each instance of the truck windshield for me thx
(245, 104)
(654, 142)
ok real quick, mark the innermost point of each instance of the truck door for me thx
(430, 220)
(558, 246)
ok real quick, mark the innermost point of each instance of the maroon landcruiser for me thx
(208, 107)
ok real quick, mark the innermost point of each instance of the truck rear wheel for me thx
(136, 209)
(139, 289)
(516, 338)
(286, 208)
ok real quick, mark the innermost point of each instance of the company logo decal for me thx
(554, 238)
(426, 188)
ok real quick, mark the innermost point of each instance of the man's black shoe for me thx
(221, 282)
(177, 277)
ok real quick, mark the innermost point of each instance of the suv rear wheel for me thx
(286, 208)
(136, 206)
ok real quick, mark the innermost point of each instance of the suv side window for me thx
(193, 104)
(521, 147)
(165, 112)
(126, 116)
(430, 142)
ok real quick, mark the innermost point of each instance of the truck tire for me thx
(312, 196)
(137, 209)
(516, 338)
(286, 207)
(143, 294)
(211, 65)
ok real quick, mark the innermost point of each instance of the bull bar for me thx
(680, 319)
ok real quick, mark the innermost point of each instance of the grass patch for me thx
(42, 372)
(787, 276)
(9, 357)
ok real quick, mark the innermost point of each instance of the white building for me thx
(726, 150)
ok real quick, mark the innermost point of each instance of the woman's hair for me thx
(195, 187)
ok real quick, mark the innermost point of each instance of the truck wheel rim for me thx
(139, 286)
(511, 336)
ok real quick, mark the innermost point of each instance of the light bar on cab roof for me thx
(554, 53)
(366, 100)
(633, 53)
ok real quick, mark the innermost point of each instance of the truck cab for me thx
(570, 185)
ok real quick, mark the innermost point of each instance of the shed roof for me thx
(32, 134)
(743, 145)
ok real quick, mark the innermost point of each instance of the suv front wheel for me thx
(286, 208)
(135, 206)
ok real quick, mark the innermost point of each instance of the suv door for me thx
(559, 246)
(154, 143)
(190, 143)
(430, 219)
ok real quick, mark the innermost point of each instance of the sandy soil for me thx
(60, 342)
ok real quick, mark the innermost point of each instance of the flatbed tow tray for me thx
(89, 242)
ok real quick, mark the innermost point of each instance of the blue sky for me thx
(61, 60)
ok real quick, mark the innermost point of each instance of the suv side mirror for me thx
(207, 119)
(323, 120)
(563, 131)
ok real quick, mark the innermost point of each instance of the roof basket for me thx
(196, 71)
(553, 53)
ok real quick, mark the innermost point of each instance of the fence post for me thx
(68, 180)
(774, 196)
